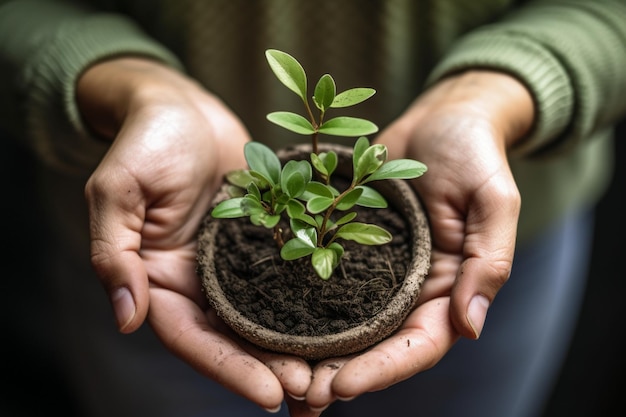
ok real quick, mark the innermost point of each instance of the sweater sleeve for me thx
(571, 54)
(44, 47)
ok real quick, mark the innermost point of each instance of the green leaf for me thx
(345, 219)
(348, 126)
(324, 262)
(371, 198)
(349, 200)
(319, 204)
(254, 190)
(398, 169)
(261, 179)
(319, 220)
(370, 161)
(251, 205)
(294, 249)
(363, 233)
(267, 196)
(264, 219)
(281, 197)
(271, 221)
(318, 164)
(325, 163)
(338, 250)
(292, 122)
(304, 232)
(305, 218)
(294, 186)
(242, 178)
(351, 97)
(256, 219)
(360, 146)
(263, 160)
(316, 188)
(324, 93)
(234, 191)
(318, 196)
(294, 178)
(329, 160)
(279, 208)
(228, 209)
(295, 209)
(288, 70)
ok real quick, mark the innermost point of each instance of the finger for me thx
(185, 331)
(294, 373)
(298, 408)
(115, 225)
(320, 394)
(425, 337)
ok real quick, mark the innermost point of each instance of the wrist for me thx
(106, 91)
(511, 104)
(503, 100)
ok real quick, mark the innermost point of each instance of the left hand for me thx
(461, 129)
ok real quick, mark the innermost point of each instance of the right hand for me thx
(171, 144)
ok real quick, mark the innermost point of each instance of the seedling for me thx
(318, 214)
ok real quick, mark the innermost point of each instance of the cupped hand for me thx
(461, 129)
(171, 144)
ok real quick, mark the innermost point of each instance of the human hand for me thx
(171, 144)
(461, 129)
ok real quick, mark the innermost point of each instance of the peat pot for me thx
(285, 307)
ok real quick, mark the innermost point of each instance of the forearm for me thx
(569, 54)
(107, 91)
(45, 46)
(494, 98)
(492, 101)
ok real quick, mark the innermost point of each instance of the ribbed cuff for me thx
(77, 44)
(532, 64)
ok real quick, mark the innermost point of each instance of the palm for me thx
(147, 199)
(472, 202)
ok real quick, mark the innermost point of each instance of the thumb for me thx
(115, 226)
(488, 258)
(476, 286)
(126, 284)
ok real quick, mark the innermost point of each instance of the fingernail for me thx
(319, 409)
(297, 398)
(476, 313)
(273, 410)
(123, 306)
(346, 398)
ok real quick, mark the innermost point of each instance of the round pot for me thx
(401, 196)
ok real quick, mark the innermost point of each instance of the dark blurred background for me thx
(591, 382)
(32, 384)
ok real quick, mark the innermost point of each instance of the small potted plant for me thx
(305, 205)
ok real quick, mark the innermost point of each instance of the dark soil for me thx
(289, 297)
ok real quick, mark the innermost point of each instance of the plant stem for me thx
(278, 236)
(314, 142)
(329, 211)
(315, 124)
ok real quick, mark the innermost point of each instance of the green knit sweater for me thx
(570, 53)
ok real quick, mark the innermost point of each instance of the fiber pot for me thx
(234, 276)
